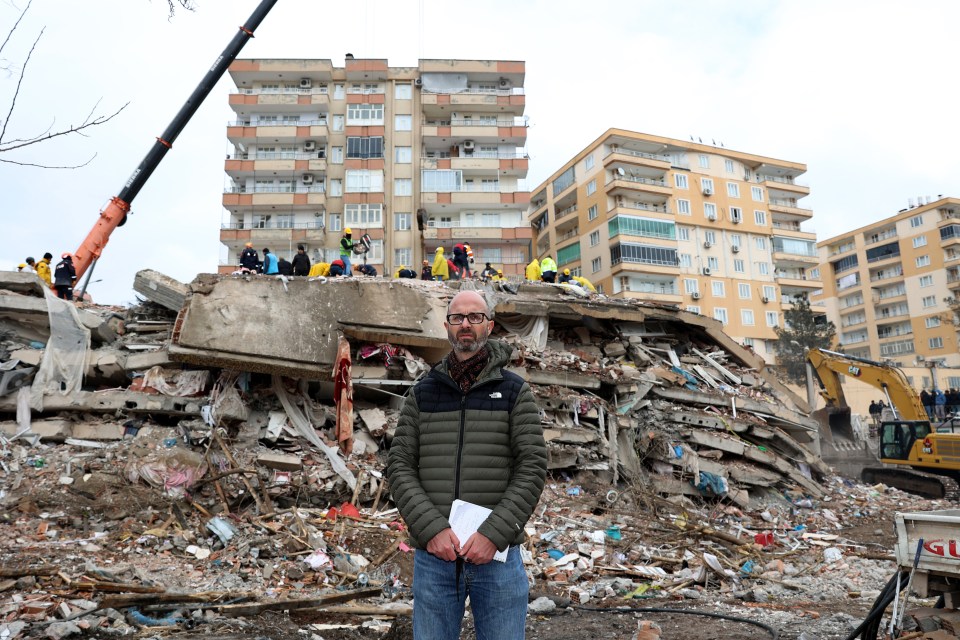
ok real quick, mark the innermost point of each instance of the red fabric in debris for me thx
(343, 396)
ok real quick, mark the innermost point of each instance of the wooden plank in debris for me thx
(297, 605)
(20, 572)
(735, 379)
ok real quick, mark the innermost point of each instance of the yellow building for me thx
(416, 157)
(709, 229)
(884, 287)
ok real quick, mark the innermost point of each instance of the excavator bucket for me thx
(835, 426)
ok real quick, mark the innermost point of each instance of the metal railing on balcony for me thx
(846, 304)
(317, 188)
(880, 237)
(512, 91)
(486, 187)
(781, 202)
(763, 177)
(277, 90)
(883, 256)
(902, 331)
(477, 122)
(896, 313)
(639, 179)
(564, 212)
(643, 206)
(273, 225)
(791, 226)
(573, 233)
(891, 293)
(280, 155)
(886, 275)
(658, 288)
(638, 154)
(501, 155)
(277, 123)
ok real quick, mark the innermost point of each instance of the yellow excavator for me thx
(916, 456)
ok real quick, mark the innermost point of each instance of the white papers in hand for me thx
(466, 518)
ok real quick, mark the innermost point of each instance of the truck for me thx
(914, 455)
(937, 534)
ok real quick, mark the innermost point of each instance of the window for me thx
(635, 225)
(713, 263)
(761, 243)
(728, 165)
(736, 240)
(335, 224)
(704, 161)
(336, 155)
(680, 181)
(932, 322)
(773, 319)
(403, 155)
(683, 233)
(748, 342)
(364, 114)
(686, 260)
(592, 212)
(402, 187)
(733, 190)
(403, 123)
(591, 187)
(936, 343)
(736, 215)
(403, 257)
(588, 162)
(338, 123)
(746, 316)
(919, 241)
(739, 265)
(929, 301)
(926, 281)
(916, 221)
(814, 273)
(756, 193)
(923, 261)
(693, 308)
(441, 180)
(719, 313)
(718, 290)
(403, 91)
(338, 92)
(706, 184)
(743, 290)
(564, 180)
(401, 222)
(770, 293)
(683, 207)
(760, 217)
(596, 264)
(710, 211)
(365, 215)
(376, 251)
(710, 236)
(763, 268)
(690, 285)
(364, 181)
(594, 238)
(365, 147)
(336, 187)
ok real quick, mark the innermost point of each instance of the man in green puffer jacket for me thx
(470, 431)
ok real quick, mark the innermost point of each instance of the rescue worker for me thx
(319, 269)
(548, 270)
(249, 259)
(586, 284)
(366, 269)
(64, 276)
(337, 268)
(43, 268)
(533, 271)
(440, 271)
(346, 249)
(301, 262)
(565, 277)
(271, 265)
(21, 267)
(497, 276)
(284, 268)
(488, 272)
(407, 273)
(460, 262)
(426, 272)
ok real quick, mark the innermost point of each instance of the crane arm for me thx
(830, 365)
(115, 213)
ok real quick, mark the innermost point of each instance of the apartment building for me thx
(416, 157)
(884, 287)
(700, 226)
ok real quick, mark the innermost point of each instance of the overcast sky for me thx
(864, 94)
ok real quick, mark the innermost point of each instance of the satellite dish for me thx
(619, 171)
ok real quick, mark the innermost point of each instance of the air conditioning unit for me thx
(706, 271)
(711, 216)
(695, 295)
(418, 82)
(307, 178)
(735, 248)
(707, 244)
(306, 83)
(504, 83)
(764, 299)
(707, 191)
(624, 283)
(468, 146)
(310, 145)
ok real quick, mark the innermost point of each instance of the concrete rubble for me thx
(203, 471)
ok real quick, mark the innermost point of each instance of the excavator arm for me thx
(830, 365)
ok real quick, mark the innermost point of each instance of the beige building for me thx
(416, 157)
(703, 227)
(884, 287)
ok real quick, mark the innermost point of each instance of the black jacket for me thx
(249, 258)
(301, 265)
(65, 273)
(284, 268)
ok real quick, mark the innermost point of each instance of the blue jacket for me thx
(271, 264)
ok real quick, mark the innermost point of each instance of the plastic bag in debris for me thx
(176, 382)
(712, 484)
(64, 358)
(173, 470)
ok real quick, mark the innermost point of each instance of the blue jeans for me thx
(347, 269)
(498, 597)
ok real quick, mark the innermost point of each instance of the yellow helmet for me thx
(348, 230)
(566, 272)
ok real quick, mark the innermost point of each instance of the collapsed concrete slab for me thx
(161, 289)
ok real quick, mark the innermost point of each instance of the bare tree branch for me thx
(73, 129)
(13, 100)
(15, 25)
(186, 4)
(47, 166)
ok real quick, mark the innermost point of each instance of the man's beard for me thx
(468, 347)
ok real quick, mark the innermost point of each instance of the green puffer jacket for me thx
(484, 447)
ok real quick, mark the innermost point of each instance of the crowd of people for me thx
(61, 278)
(939, 403)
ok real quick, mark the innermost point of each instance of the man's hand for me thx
(478, 550)
(445, 545)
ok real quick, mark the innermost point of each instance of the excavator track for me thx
(928, 485)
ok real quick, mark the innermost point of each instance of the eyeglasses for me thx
(473, 318)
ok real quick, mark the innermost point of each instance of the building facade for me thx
(885, 285)
(712, 230)
(416, 157)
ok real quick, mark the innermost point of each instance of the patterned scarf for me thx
(465, 373)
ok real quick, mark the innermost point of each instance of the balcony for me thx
(793, 229)
(879, 237)
(286, 100)
(886, 274)
(786, 185)
(652, 190)
(637, 158)
(480, 100)
(788, 206)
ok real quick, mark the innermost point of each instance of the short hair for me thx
(300, 247)
(48, 256)
(490, 312)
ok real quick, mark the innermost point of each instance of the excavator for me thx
(916, 457)
(115, 213)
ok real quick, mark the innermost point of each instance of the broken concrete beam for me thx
(102, 330)
(614, 349)
(46, 429)
(561, 378)
(163, 290)
(570, 435)
(31, 357)
(709, 422)
(279, 461)
(124, 401)
(147, 360)
(783, 414)
(723, 442)
(11, 303)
